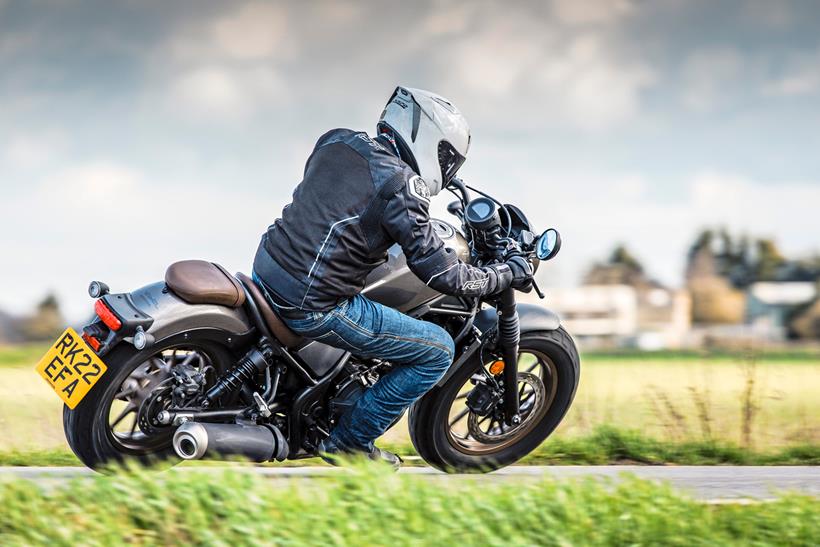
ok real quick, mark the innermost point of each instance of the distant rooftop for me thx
(784, 293)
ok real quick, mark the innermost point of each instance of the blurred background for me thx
(673, 143)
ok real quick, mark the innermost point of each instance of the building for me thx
(772, 305)
(648, 317)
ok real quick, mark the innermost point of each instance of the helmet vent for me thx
(444, 103)
(416, 120)
(449, 160)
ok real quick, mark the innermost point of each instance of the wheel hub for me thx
(533, 394)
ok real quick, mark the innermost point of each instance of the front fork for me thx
(509, 335)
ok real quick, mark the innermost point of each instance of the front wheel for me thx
(449, 436)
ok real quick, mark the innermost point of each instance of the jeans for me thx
(423, 351)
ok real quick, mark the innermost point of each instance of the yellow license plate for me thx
(71, 367)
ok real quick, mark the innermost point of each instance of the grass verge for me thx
(23, 354)
(605, 446)
(374, 507)
(785, 355)
(608, 445)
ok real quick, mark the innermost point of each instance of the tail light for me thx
(107, 316)
(92, 341)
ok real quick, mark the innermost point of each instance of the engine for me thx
(360, 377)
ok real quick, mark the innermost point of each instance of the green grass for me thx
(372, 506)
(40, 458)
(799, 355)
(22, 354)
(605, 446)
(673, 397)
(608, 445)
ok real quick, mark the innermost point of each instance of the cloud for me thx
(595, 212)
(448, 18)
(768, 14)
(710, 77)
(84, 188)
(114, 222)
(32, 150)
(804, 83)
(254, 32)
(799, 75)
(502, 51)
(581, 113)
(12, 43)
(560, 76)
(594, 90)
(581, 12)
(783, 208)
(226, 67)
(221, 93)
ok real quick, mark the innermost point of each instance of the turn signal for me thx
(107, 316)
(497, 368)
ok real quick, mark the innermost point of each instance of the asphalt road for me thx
(712, 483)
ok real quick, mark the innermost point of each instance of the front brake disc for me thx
(529, 410)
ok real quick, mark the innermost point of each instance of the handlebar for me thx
(491, 241)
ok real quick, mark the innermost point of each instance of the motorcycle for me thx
(200, 366)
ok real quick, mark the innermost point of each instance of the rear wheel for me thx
(109, 425)
(449, 436)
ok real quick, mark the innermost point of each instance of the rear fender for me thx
(172, 315)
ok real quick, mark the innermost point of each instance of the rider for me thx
(360, 195)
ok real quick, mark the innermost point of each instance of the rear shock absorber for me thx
(509, 333)
(254, 362)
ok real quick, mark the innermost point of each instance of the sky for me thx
(137, 133)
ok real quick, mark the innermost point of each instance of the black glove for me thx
(522, 271)
(501, 277)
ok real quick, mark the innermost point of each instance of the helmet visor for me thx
(449, 160)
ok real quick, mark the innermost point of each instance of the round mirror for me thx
(548, 244)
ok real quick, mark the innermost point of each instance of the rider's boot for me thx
(327, 451)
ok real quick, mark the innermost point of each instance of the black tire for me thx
(429, 420)
(87, 427)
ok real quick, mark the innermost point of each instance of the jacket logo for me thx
(418, 188)
(476, 284)
(368, 140)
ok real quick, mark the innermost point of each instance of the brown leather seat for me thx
(286, 337)
(201, 282)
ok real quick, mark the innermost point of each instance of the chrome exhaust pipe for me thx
(257, 443)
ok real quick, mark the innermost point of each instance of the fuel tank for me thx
(394, 285)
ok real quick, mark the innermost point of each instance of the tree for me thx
(47, 321)
(622, 268)
(621, 255)
(703, 242)
(769, 260)
(701, 262)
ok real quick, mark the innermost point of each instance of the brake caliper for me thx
(482, 399)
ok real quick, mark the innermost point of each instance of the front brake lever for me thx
(540, 294)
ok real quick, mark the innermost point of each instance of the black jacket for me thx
(357, 198)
